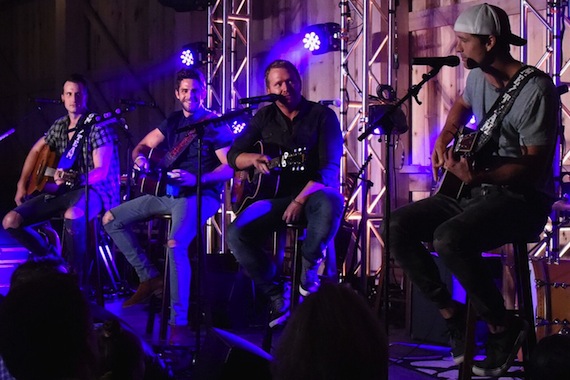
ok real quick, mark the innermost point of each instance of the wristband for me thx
(299, 203)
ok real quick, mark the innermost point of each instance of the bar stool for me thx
(295, 257)
(524, 308)
(299, 232)
(158, 305)
(100, 243)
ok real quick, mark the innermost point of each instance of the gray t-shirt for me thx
(532, 120)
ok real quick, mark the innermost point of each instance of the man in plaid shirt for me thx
(96, 163)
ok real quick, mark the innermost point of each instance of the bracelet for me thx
(296, 201)
(139, 156)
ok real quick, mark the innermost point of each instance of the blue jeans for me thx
(460, 231)
(183, 231)
(248, 234)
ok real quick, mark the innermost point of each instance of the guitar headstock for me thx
(294, 160)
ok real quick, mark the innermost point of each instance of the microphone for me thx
(451, 60)
(260, 99)
(45, 101)
(330, 102)
(137, 103)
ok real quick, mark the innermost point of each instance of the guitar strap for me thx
(74, 145)
(175, 152)
(503, 105)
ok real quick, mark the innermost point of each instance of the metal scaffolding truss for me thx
(368, 33)
(228, 76)
(551, 60)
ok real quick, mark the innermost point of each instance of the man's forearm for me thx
(220, 174)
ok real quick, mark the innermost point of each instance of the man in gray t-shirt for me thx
(507, 190)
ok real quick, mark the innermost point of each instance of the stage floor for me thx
(231, 305)
(409, 359)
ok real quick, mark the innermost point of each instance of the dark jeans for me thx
(249, 232)
(45, 206)
(460, 231)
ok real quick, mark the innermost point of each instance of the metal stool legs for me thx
(165, 301)
(524, 309)
(296, 257)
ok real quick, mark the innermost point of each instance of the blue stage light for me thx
(238, 126)
(194, 54)
(322, 38)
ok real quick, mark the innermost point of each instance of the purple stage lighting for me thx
(322, 38)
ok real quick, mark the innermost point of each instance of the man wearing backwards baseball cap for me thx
(510, 188)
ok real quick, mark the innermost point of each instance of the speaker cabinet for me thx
(426, 323)
(227, 356)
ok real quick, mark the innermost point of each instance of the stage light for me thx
(322, 38)
(194, 54)
(238, 126)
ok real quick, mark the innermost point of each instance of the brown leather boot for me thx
(145, 290)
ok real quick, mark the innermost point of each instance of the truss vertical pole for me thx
(554, 24)
(229, 72)
(360, 54)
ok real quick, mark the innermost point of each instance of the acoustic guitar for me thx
(250, 185)
(41, 180)
(155, 179)
(463, 146)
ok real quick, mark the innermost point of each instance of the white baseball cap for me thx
(485, 19)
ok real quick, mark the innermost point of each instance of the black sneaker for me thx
(309, 277)
(279, 309)
(456, 326)
(501, 349)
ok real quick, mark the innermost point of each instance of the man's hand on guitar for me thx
(59, 177)
(21, 194)
(182, 177)
(141, 163)
(438, 158)
(260, 162)
(460, 168)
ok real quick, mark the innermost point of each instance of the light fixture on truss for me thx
(322, 38)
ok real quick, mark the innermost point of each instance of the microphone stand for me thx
(387, 126)
(199, 246)
(199, 128)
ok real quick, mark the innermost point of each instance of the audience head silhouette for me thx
(333, 334)
(550, 358)
(46, 328)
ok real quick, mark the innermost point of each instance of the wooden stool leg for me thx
(465, 371)
(164, 307)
